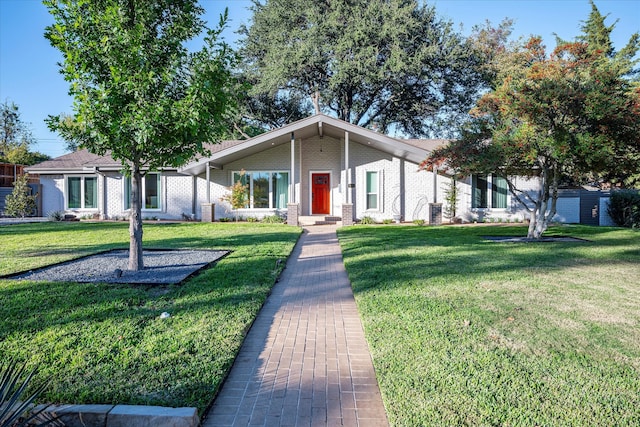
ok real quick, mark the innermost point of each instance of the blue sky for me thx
(29, 73)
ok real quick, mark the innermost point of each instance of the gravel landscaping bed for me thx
(544, 239)
(161, 267)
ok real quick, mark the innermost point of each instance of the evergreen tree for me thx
(451, 197)
(20, 203)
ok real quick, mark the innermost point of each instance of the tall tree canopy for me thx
(16, 138)
(139, 94)
(392, 63)
(573, 113)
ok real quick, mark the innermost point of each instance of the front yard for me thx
(462, 331)
(107, 343)
(469, 332)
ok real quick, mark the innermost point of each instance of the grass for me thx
(469, 332)
(105, 343)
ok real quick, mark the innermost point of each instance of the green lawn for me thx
(106, 343)
(469, 332)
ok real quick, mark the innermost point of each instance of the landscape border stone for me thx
(123, 415)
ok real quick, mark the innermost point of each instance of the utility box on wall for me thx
(435, 213)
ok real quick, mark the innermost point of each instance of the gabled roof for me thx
(415, 150)
(78, 161)
(318, 125)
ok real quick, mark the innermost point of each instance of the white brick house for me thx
(316, 167)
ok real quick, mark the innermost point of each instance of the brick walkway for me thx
(305, 361)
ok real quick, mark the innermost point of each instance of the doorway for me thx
(320, 194)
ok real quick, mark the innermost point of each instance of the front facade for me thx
(321, 167)
(317, 167)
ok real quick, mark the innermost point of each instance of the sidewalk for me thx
(305, 361)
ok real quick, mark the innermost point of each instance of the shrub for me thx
(20, 202)
(624, 208)
(273, 219)
(418, 221)
(14, 404)
(238, 195)
(367, 220)
(252, 219)
(387, 221)
(224, 219)
(451, 196)
(55, 216)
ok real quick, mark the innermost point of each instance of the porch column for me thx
(207, 210)
(208, 178)
(292, 191)
(435, 208)
(435, 184)
(347, 206)
(292, 207)
(346, 168)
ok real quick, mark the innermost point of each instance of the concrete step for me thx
(319, 220)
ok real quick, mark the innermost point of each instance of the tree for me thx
(389, 63)
(20, 203)
(572, 113)
(139, 94)
(451, 197)
(238, 194)
(16, 138)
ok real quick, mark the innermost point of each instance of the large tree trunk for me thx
(315, 98)
(545, 206)
(136, 262)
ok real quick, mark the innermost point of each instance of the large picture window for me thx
(265, 190)
(150, 192)
(82, 192)
(481, 185)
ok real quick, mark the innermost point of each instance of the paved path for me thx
(305, 361)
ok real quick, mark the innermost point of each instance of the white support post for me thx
(346, 168)
(208, 175)
(435, 185)
(292, 191)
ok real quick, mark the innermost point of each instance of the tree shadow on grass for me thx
(394, 257)
(234, 289)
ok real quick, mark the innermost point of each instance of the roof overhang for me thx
(319, 125)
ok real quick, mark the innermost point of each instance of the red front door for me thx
(320, 198)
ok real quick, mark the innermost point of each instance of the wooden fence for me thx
(9, 173)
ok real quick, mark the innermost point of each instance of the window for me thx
(499, 192)
(280, 185)
(82, 192)
(150, 192)
(260, 189)
(372, 190)
(480, 186)
(265, 190)
(244, 178)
